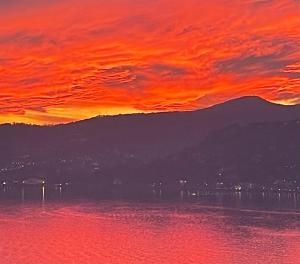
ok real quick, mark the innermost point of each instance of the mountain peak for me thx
(249, 99)
(245, 102)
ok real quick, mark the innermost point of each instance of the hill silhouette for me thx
(256, 152)
(111, 143)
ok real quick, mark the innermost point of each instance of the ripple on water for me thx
(116, 232)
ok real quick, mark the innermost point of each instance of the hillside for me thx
(256, 152)
(111, 145)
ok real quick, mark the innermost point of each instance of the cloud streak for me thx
(58, 58)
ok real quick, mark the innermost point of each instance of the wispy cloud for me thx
(129, 56)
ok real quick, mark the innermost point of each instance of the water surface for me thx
(119, 232)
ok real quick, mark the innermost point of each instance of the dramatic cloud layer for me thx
(71, 59)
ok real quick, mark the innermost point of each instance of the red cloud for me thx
(125, 56)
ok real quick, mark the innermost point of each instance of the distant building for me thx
(221, 186)
(117, 181)
(34, 181)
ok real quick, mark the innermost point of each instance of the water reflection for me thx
(43, 194)
(23, 194)
(150, 233)
(263, 200)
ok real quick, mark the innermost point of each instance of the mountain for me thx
(256, 152)
(112, 143)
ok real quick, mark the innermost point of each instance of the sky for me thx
(66, 60)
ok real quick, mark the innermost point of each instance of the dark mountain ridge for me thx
(256, 152)
(123, 141)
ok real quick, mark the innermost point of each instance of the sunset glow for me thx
(67, 60)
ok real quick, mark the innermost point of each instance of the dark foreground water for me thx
(37, 231)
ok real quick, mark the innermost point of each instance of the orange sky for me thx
(64, 60)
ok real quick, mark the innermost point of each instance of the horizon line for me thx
(152, 112)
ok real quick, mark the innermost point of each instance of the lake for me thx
(78, 230)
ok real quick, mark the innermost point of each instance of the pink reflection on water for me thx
(124, 233)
